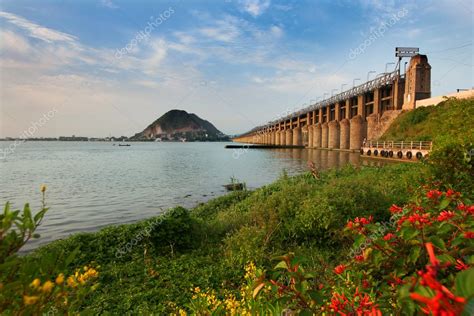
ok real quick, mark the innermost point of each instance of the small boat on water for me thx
(124, 145)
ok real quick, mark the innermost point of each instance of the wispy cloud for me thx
(255, 7)
(37, 31)
(109, 4)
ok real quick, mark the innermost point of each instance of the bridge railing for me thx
(412, 145)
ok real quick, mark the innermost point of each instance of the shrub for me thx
(29, 286)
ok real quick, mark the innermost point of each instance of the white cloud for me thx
(109, 4)
(14, 43)
(37, 31)
(225, 30)
(255, 7)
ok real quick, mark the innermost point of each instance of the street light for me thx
(342, 87)
(324, 96)
(370, 72)
(332, 92)
(386, 66)
(354, 82)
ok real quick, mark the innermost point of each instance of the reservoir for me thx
(94, 184)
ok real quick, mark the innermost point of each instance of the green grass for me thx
(449, 119)
(209, 245)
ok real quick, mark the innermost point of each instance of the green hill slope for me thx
(451, 119)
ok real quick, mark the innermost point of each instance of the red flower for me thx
(420, 220)
(359, 258)
(350, 224)
(451, 193)
(445, 215)
(388, 237)
(433, 194)
(444, 302)
(461, 265)
(469, 235)
(469, 209)
(339, 269)
(395, 209)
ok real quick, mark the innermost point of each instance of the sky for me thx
(111, 67)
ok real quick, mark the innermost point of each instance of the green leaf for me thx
(71, 256)
(408, 233)
(465, 283)
(438, 242)
(443, 204)
(414, 254)
(281, 265)
(358, 241)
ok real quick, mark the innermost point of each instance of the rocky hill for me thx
(179, 125)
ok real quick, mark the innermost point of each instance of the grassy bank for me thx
(450, 120)
(208, 246)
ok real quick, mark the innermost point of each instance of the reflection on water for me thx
(324, 159)
(95, 184)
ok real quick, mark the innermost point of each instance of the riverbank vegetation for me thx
(354, 241)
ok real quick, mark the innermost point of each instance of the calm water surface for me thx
(94, 184)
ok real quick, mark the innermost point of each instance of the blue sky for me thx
(237, 63)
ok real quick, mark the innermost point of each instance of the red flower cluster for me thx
(359, 223)
(359, 258)
(469, 209)
(341, 305)
(445, 215)
(469, 235)
(389, 236)
(394, 209)
(339, 269)
(460, 265)
(434, 194)
(452, 194)
(444, 302)
(420, 220)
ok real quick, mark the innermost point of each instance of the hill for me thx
(450, 119)
(177, 125)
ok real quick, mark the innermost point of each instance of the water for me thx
(94, 184)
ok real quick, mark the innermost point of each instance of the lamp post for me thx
(332, 92)
(342, 87)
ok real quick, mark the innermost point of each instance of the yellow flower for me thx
(182, 312)
(71, 282)
(43, 188)
(60, 279)
(36, 283)
(30, 300)
(48, 286)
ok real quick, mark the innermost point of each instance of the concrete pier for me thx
(289, 137)
(345, 134)
(297, 137)
(324, 135)
(333, 135)
(317, 136)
